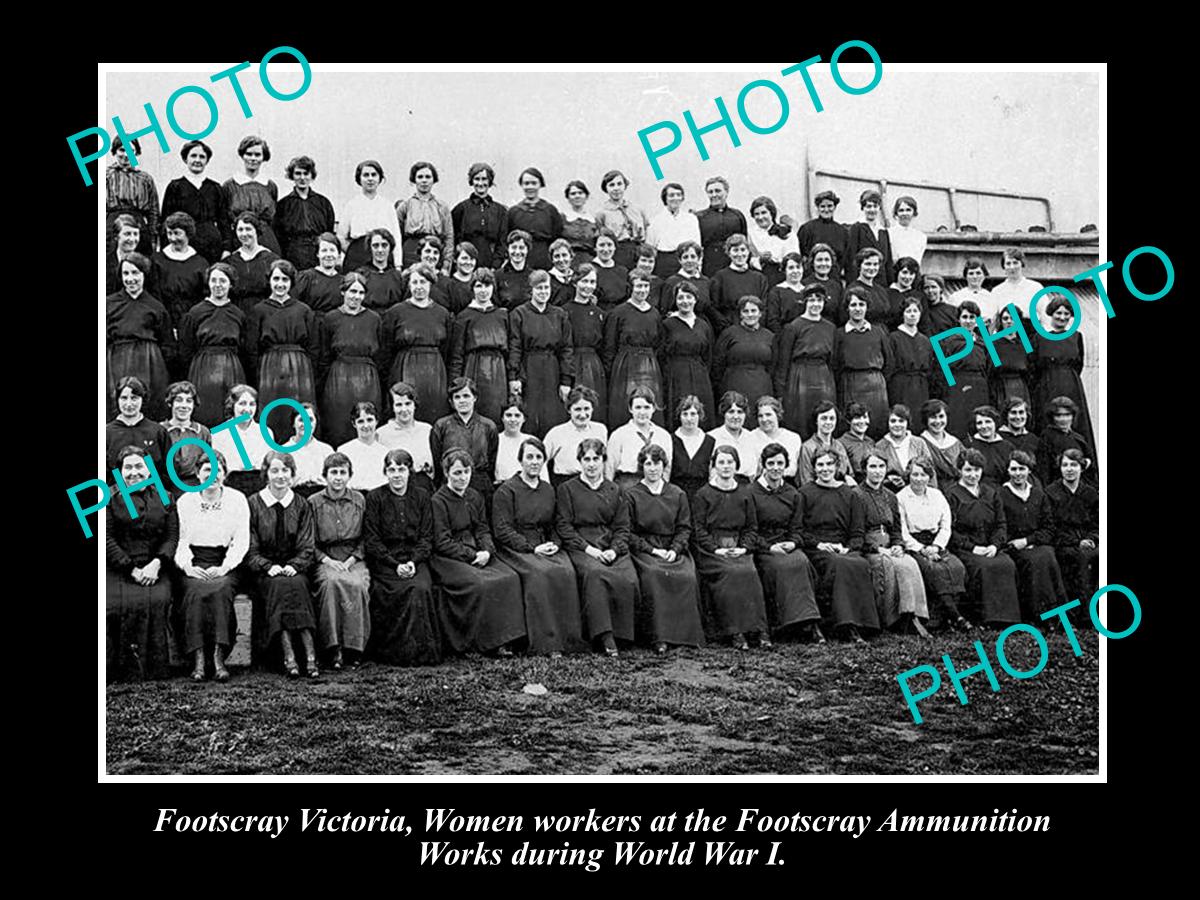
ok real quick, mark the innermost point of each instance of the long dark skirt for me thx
(135, 627)
(284, 371)
(753, 382)
(633, 367)
(543, 407)
(666, 264)
(208, 616)
(868, 387)
(909, 388)
(552, 619)
(1008, 385)
(669, 610)
(942, 576)
(487, 369)
(685, 375)
(286, 605)
(609, 595)
(1080, 572)
(425, 370)
(787, 582)
(845, 580)
(358, 254)
(145, 360)
(403, 621)
(343, 615)
(810, 382)
(992, 588)
(214, 370)
(1061, 381)
(1039, 580)
(970, 390)
(349, 381)
(732, 595)
(479, 609)
(589, 372)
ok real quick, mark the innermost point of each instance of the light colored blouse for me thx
(791, 441)
(667, 232)
(251, 439)
(562, 444)
(907, 241)
(928, 513)
(414, 439)
(367, 460)
(224, 522)
(763, 242)
(626, 442)
(310, 461)
(747, 447)
(361, 214)
(506, 457)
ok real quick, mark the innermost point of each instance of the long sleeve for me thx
(720, 355)
(493, 448)
(637, 544)
(183, 549)
(240, 545)
(858, 522)
(516, 348)
(911, 544)
(564, 522)
(306, 548)
(458, 345)
(960, 542)
(749, 534)
(116, 556)
(255, 560)
(701, 536)
(447, 236)
(683, 526)
(437, 440)
(999, 535)
(253, 333)
(620, 526)
(889, 357)
(325, 353)
(894, 533)
(783, 357)
(503, 519)
(566, 353)
(423, 548)
(372, 533)
(612, 338)
(170, 536)
(479, 522)
(944, 522)
(444, 541)
(165, 335)
(1043, 534)
(186, 347)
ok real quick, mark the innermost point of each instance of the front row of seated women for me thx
(404, 577)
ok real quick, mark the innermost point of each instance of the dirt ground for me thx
(798, 709)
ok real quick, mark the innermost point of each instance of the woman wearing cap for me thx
(202, 199)
(480, 220)
(363, 214)
(871, 232)
(539, 218)
(823, 230)
(803, 376)
(252, 191)
(625, 220)
(670, 229)
(904, 238)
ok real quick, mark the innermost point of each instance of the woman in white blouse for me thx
(243, 444)
(367, 211)
(626, 442)
(508, 445)
(310, 457)
(732, 409)
(366, 451)
(405, 432)
(906, 240)
(770, 431)
(670, 228)
(767, 244)
(214, 535)
(925, 528)
(562, 441)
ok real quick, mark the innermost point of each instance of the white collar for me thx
(243, 178)
(269, 499)
(850, 326)
(169, 253)
(197, 181)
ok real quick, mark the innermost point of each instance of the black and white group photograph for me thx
(597, 473)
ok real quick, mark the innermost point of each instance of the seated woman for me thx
(857, 441)
(281, 553)
(1030, 519)
(925, 527)
(899, 588)
(627, 441)
(562, 441)
(480, 608)
(832, 517)
(691, 451)
(660, 527)
(214, 535)
(724, 534)
(900, 446)
(343, 583)
(398, 534)
(991, 445)
(523, 521)
(1076, 527)
(466, 429)
(137, 589)
(366, 452)
(825, 423)
(311, 455)
(593, 526)
(243, 444)
(978, 531)
(786, 574)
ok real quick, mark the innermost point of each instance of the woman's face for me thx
(541, 293)
(768, 419)
(252, 157)
(690, 417)
(513, 420)
(245, 405)
(562, 259)
(196, 161)
(1013, 267)
(121, 155)
(204, 472)
(1070, 469)
(876, 468)
(897, 426)
(246, 233)
(750, 315)
(689, 260)
(1017, 473)
(652, 469)
(279, 476)
(825, 209)
(364, 424)
(531, 462)
(857, 309)
(481, 183)
(937, 421)
(129, 403)
(482, 292)
(735, 418)
(128, 237)
(904, 214)
(327, 255)
(1005, 319)
(639, 291)
(793, 271)
(685, 302)
(459, 476)
(465, 263)
(1018, 418)
(369, 179)
(966, 319)
(918, 480)
(338, 477)
(586, 285)
(576, 197)
(775, 467)
(739, 254)
(1061, 318)
(823, 264)
(280, 284)
(381, 250)
(517, 252)
(182, 407)
(824, 467)
(869, 268)
(530, 185)
(404, 408)
(616, 188)
(132, 277)
(1063, 419)
(975, 278)
(605, 248)
(933, 292)
(298, 428)
(725, 466)
(826, 422)
(397, 476)
(762, 217)
(970, 474)
(354, 296)
(423, 179)
(912, 315)
(581, 412)
(463, 402)
(178, 238)
(418, 286)
(905, 278)
(717, 194)
(592, 464)
(431, 256)
(302, 178)
(674, 199)
(641, 410)
(871, 210)
(859, 425)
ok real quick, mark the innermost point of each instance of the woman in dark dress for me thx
(660, 528)
(870, 234)
(562, 273)
(479, 220)
(632, 337)
(526, 540)
(465, 429)
(181, 400)
(350, 360)
(303, 215)
(512, 278)
(912, 358)
(398, 533)
(979, 532)
(786, 574)
(825, 425)
(991, 445)
(1058, 365)
(251, 191)
(612, 278)
(686, 357)
(803, 360)
(282, 343)
(385, 283)
(940, 315)
(724, 536)
(125, 233)
(823, 270)
(906, 287)
(833, 520)
(541, 358)
(480, 607)
(1030, 518)
(282, 550)
(925, 525)
(131, 427)
(416, 335)
(479, 346)
(593, 525)
(137, 589)
(587, 336)
(870, 285)
(1076, 513)
(320, 287)
(972, 385)
(430, 250)
(251, 262)
(785, 300)
(1058, 435)
(214, 537)
(539, 218)
(732, 284)
(744, 357)
(203, 200)
(689, 270)
(139, 337)
(177, 270)
(1014, 430)
(691, 455)
(863, 360)
(212, 339)
(1010, 379)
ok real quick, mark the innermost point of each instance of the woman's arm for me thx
(306, 550)
(683, 526)
(239, 517)
(564, 522)
(170, 538)
(503, 519)
(999, 535)
(479, 524)
(444, 542)
(373, 533)
(619, 541)
(114, 553)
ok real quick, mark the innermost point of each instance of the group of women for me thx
(544, 479)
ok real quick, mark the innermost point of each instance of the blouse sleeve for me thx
(375, 547)
(945, 519)
(783, 354)
(637, 544)
(1043, 532)
(183, 548)
(423, 547)
(255, 561)
(240, 545)
(458, 347)
(612, 337)
(894, 532)
(959, 541)
(566, 352)
(795, 525)
(516, 349)
(911, 544)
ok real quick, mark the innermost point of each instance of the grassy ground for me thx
(798, 709)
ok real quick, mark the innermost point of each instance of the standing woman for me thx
(303, 215)
(541, 358)
(351, 358)
(423, 215)
(282, 550)
(824, 232)
(321, 286)
(481, 608)
(940, 315)
(612, 279)
(562, 275)
(540, 219)
(283, 343)
(177, 270)
(203, 200)
(343, 583)
(925, 524)
(972, 387)
(1016, 289)
(479, 220)
(124, 233)
(311, 455)
(691, 448)
(510, 441)
(905, 240)
(137, 590)
(825, 423)
(912, 356)
(627, 222)
(870, 233)
(632, 337)
(744, 356)
(770, 240)
(181, 400)
(660, 528)
(1010, 379)
(398, 538)
(686, 355)
(1058, 435)
(512, 279)
(822, 268)
(385, 283)
(787, 576)
(562, 441)
(979, 532)
(593, 525)
(251, 191)
(724, 536)
(689, 271)
(626, 441)
(732, 432)
(1030, 518)
(465, 429)
(214, 536)
(944, 447)
(131, 191)
(906, 287)
(670, 229)
(785, 301)
(251, 261)
(212, 340)
(900, 446)
(363, 214)
(587, 336)
(479, 346)
(416, 335)
(366, 451)
(803, 363)
(718, 222)
(991, 445)
(863, 360)
(735, 282)
(870, 285)
(579, 226)
(1076, 507)
(139, 337)
(1058, 364)
(526, 540)
(975, 271)
(459, 292)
